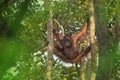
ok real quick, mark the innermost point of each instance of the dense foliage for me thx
(23, 25)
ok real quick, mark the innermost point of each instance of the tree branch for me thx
(60, 26)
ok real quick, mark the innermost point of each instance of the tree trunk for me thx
(50, 50)
(88, 67)
(92, 58)
(92, 40)
(50, 40)
(82, 69)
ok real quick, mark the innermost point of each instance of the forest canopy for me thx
(24, 53)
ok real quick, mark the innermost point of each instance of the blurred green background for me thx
(23, 26)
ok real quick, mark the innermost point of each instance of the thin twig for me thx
(60, 26)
